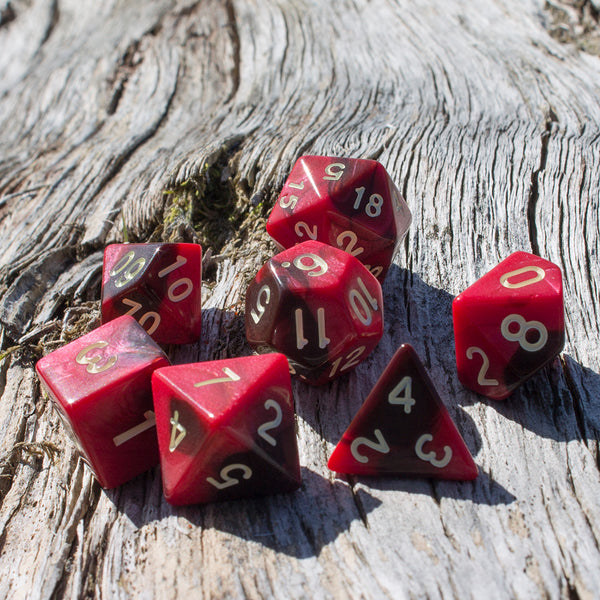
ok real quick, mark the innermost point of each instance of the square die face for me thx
(101, 385)
(159, 285)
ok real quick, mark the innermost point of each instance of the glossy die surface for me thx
(159, 285)
(226, 429)
(101, 386)
(509, 324)
(317, 305)
(403, 428)
(348, 203)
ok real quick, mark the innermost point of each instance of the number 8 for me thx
(521, 335)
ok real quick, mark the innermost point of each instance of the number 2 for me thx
(262, 430)
(481, 376)
(380, 446)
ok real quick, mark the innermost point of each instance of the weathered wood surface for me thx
(182, 119)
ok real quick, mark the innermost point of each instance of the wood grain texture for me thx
(181, 120)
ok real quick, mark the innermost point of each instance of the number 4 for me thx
(402, 394)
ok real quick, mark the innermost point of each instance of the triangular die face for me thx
(403, 428)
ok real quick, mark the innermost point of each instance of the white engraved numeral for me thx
(95, 364)
(351, 246)
(230, 376)
(351, 360)
(178, 432)
(316, 267)
(135, 306)
(227, 480)
(274, 423)
(301, 340)
(539, 274)
(431, 457)
(288, 201)
(297, 186)
(185, 282)
(126, 269)
(402, 394)
(362, 303)
(150, 421)
(373, 206)
(304, 229)
(257, 314)
(380, 446)
(334, 171)
(481, 376)
(521, 334)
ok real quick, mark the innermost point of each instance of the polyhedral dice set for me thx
(226, 429)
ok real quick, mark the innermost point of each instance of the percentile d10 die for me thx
(159, 285)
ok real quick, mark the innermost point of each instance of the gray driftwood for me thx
(180, 121)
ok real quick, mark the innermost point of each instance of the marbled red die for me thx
(226, 429)
(159, 285)
(347, 203)
(509, 324)
(101, 387)
(403, 428)
(317, 305)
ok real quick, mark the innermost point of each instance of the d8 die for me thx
(351, 204)
(159, 285)
(101, 387)
(508, 324)
(403, 428)
(317, 305)
(226, 429)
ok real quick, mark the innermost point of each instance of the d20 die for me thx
(403, 428)
(101, 387)
(226, 429)
(509, 324)
(319, 306)
(159, 285)
(348, 203)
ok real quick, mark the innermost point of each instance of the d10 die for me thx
(159, 285)
(403, 428)
(317, 305)
(226, 429)
(101, 387)
(351, 204)
(508, 324)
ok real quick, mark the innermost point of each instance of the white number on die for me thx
(431, 457)
(521, 334)
(379, 446)
(227, 480)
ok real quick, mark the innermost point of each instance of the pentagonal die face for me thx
(101, 387)
(159, 285)
(509, 324)
(350, 204)
(317, 305)
(226, 429)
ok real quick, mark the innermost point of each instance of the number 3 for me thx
(430, 457)
(95, 364)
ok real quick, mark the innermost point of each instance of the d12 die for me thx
(226, 429)
(509, 324)
(317, 305)
(403, 428)
(159, 285)
(101, 387)
(351, 204)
